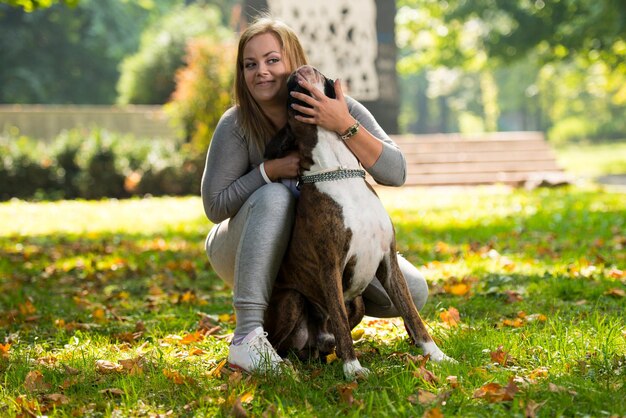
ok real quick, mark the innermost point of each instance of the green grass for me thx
(593, 160)
(129, 280)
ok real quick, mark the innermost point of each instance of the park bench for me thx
(514, 158)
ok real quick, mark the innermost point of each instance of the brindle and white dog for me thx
(342, 239)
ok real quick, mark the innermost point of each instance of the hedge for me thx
(95, 164)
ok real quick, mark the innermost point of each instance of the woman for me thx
(249, 200)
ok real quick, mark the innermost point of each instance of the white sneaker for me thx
(255, 353)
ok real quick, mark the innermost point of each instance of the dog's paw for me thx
(353, 369)
(436, 354)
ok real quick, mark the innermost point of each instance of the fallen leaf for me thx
(499, 356)
(453, 381)
(426, 375)
(331, 357)
(346, 392)
(217, 371)
(112, 392)
(425, 397)
(192, 338)
(433, 413)
(494, 392)
(27, 308)
(531, 408)
(174, 376)
(540, 372)
(615, 273)
(357, 334)
(4, 350)
(238, 410)
(512, 296)
(615, 292)
(57, 399)
(134, 366)
(106, 367)
(515, 323)
(450, 316)
(33, 382)
(247, 397)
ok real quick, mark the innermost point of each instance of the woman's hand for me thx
(330, 114)
(283, 168)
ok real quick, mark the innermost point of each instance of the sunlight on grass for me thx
(112, 309)
(592, 160)
(80, 217)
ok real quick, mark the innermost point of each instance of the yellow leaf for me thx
(217, 371)
(331, 357)
(27, 308)
(174, 376)
(247, 397)
(99, 315)
(357, 334)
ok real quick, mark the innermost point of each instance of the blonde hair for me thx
(256, 126)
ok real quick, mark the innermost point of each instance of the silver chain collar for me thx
(338, 174)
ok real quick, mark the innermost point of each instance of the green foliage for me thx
(128, 282)
(203, 90)
(148, 77)
(31, 5)
(64, 55)
(94, 164)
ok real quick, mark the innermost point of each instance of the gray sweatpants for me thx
(247, 249)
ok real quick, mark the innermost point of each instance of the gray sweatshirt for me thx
(232, 173)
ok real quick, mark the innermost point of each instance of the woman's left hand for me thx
(330, 114)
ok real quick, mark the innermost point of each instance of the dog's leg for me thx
(392, 279)
(286, 320)
(340, 325)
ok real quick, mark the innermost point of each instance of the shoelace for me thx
(261, 342)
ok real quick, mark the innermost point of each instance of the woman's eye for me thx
(249, 65)
(273, 60)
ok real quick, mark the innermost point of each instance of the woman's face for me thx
(265, 69)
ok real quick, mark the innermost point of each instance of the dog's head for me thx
(299, 135)
(315, 78)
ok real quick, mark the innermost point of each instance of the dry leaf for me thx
(494, 392)
(424, 397)
(133, 366)
(425, 375)
(112, 392)
(537, 373)
(238, 410)
(499, 356)
(106, 367)
(192, 338)
(174, 376)
(247, 397)
(433, 413)
(452, 381)
(57, 399)
(4, 350)
(515, 323)
(512, 296)
(531, 408)
(217, 371)
(34, 382)
(615, 292)
(331, 357)
(346, 392)
(450, 316)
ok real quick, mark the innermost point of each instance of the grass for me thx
(589, 160)
(111, 309)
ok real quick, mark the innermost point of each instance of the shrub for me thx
(203, 90)
(93, 164)
(147, 77)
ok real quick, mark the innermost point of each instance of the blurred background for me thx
(115, 98)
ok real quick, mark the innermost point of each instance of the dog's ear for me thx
(281, 144)
(329, 88)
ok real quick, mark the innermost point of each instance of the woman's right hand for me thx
(283, 168)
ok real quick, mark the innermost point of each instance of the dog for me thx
(342, 238)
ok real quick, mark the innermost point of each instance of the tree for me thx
(557, 29)
(148, 76)
(32, 5)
